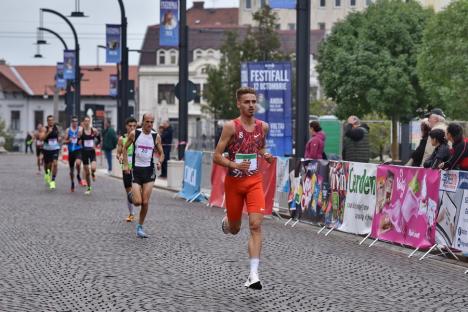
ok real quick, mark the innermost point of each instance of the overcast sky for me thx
(20, 18)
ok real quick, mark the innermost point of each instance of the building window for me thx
(352, 3)
(291, 26)
(204, 70)
(198, 54)
(337, 3)
(248, 4)
(321, 26)
(166, 93)
(323, 3)
(161, 57)
(173, 56)
(38, 118)
(198, 96)
(15, 120)
(210, 53)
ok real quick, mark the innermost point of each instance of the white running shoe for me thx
(253, 282)
(223, 225)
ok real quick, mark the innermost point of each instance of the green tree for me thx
(7, 135)
(323, 106)
(261, 43)
(443, 61)
(368, 63)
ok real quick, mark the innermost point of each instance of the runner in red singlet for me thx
(244, 138)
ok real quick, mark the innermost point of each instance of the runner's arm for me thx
(263, 152)
(130, 139)
(66, 139)
(43, 134)
(159, 148)
(119, 149)
(226, 135)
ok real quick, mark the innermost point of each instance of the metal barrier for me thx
(207, 166)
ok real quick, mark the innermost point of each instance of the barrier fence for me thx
(415, 207)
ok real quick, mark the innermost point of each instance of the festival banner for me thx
(282, 4)
(113, 85)
(69, 63)
(113, 43)
(60, 82)
(360, 198)
(313, 191)
(272, 81)
(192, 176)
(452, 220)
(169, 27)
(406, 205)
(338, 180)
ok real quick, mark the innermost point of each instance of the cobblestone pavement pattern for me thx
(69, 252)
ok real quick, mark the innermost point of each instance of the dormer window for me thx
(173, 57)
(161, 57)
(198, 54)
(210, 53)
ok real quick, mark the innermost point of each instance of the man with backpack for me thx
(109, 142)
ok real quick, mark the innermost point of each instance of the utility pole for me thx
(123, 70)
(183, 79)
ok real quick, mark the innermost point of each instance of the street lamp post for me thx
(183, 79)
(77, 102)
(124, 66)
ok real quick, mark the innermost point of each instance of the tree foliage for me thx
(368, 62)
(261, 43)
(443, 61)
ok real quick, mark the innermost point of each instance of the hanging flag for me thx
(113, 43)
(169, 28)
(69, 63)
(113, 85)
(283, 4)
(60, 81)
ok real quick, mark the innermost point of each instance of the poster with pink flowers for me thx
(406, 205)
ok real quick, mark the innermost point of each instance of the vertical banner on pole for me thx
(338, 180)
(282, 4)
(360, 199)
(272, 81)
(113, 85)
(69, 63)
(113, 43)
(60, 82)
(169, 27)
(406, 205)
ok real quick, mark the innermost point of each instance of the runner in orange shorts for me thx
(244, 138)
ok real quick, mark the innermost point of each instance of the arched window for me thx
(173, 57)
(210, 53)
(198, 54)
(161, 57)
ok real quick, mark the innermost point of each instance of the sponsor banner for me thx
(97, 114)
(192, 176)
(60, 81)
(169, 27)
(282, 174)
(113, 85)
(282, 4)
(272, 81)
(360, 199)
(452, 220)
(312, 191)
(338, 181)
(113, 43)
(406, 205)
(218, 175)
(69, 63)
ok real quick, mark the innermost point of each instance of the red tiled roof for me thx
(93, 83)
(6, 71)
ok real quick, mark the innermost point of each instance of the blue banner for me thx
(169, 23)
(272, 81)
(69, 62)
(113, 43)
(283, 4)
(60, 82)
(113, 85)
(192, 176)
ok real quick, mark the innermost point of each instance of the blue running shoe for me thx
(139, 232)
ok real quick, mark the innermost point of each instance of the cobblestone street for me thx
(63, 251)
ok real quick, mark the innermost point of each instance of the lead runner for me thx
(244, 137)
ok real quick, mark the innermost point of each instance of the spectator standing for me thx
(109, 142)
(315, 146)
(166, 139)
(459, 158)
(28, 143)
(436, 121)
(417, 155)
(356, 141)
(441, 151)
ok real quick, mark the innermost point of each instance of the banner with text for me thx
(69, 62)
(113, 43)
(338, 180)
(60, 82)
(272, 81)
(113, 85)
(406, 205)
(192, 176)
(360, 199)
(169, 23)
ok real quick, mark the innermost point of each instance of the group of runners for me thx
(244, 139)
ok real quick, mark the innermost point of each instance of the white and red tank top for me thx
(246, 145)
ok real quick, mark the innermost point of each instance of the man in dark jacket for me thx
(166, 140)
(109, 142)
(356, 141)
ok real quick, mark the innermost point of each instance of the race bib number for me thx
(74, 140)
(240, 158)
(130, 159)
(52, 142)
(89, 143)
(39, 143)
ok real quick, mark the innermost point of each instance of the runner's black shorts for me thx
(73, 156)
(39, 151)
(88, 156)
(50, 156)
(127, 179)
(143, 175)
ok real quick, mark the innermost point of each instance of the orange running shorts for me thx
(248, 190)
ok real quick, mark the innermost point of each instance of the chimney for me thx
(198, 5)
(2, 62)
